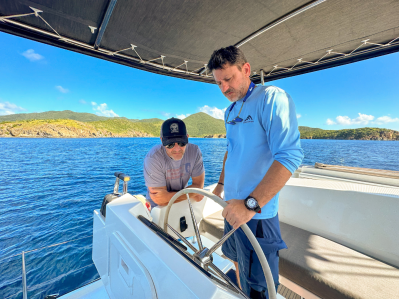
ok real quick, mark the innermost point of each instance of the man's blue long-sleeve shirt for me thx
(268, 132)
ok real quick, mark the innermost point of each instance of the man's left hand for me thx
(236, 213)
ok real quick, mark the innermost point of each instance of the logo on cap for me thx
(174, 128)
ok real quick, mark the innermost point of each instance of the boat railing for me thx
(24, 281)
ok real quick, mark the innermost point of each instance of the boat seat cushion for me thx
(325, 268)
(331, 270)
(213, 224)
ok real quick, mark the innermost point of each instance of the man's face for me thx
(233, 82)
(176, 153)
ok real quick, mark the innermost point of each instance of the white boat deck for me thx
(94, 290)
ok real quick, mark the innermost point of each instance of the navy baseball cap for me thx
(173, 130)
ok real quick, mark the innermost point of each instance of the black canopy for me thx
(176, 37)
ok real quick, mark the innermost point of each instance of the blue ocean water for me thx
(50, 187)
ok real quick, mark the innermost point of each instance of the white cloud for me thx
(362, 119)
(386, 119)
(102, 110)
(182, 116)
(32, 56)
(83, 102)
(213, 111)
(330, 122)
(298, 115)
(167, 114)
(62, 89)
(7, 108)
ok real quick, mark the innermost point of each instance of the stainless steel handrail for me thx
(24, 284)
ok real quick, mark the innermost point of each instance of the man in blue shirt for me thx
(263, 150)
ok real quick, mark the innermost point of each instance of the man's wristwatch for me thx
(252, 204)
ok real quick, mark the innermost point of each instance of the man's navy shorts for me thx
(239, 249)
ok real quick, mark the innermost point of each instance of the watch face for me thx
(252, 203)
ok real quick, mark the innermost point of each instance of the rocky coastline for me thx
(353, 134)
(198, 125)
(215, 136)
(383, 135)
(59, 130)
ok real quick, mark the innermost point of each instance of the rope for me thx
(11, 296)
(53, 245)
(57, 244)
(10, 257)
(60, 276)
(329, 52)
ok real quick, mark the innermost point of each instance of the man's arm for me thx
(161, 196)
(237, 214)
(219, 187)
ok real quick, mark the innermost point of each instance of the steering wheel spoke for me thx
(197, 234)
(226, 278)
(220, 242)
(183, 239)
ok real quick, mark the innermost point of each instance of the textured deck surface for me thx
(287, 293)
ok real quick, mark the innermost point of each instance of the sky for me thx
(35, 77)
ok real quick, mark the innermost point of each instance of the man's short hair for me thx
(231, 55)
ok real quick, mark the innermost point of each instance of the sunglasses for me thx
(172, 145)
(238, 119)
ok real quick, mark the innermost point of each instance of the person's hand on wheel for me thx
(218, 190)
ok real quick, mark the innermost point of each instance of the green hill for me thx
(349, 134)
(303, 129)
(200, 124)
(68, 128)
(66, 114)
(74, 124)
(123, 126)
(150, 120)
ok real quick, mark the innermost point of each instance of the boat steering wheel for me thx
(203, 256)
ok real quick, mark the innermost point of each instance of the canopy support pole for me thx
(279, 21)
(262, 77)
(104, 23)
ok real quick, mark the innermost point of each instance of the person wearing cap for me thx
(263, 150)
(169, 166)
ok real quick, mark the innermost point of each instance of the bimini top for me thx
(281, 38)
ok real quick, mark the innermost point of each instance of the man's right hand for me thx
(218, 190)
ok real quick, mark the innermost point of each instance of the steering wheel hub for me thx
(203, 257)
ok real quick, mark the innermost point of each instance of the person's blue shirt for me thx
(268, 132)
